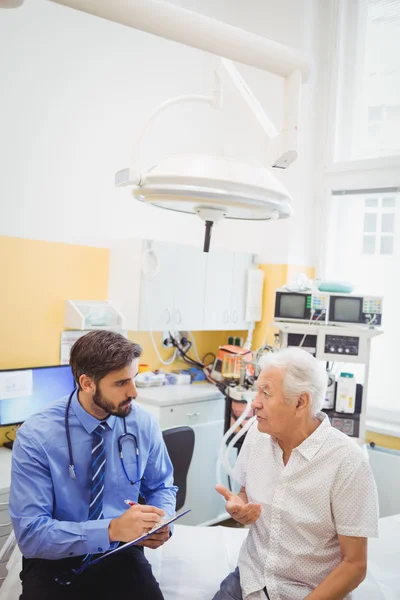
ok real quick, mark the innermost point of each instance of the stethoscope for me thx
(123, 438)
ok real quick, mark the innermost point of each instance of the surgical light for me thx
(212, 187)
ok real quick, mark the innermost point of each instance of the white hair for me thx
(302, 374)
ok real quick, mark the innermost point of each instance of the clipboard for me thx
(142, 537)
(67, 577)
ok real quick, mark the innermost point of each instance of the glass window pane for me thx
(387, 225)
(369, 94)
(371, 202)
(375, 113)
(393, 112)
(389, 201)
(370, 222)
(369, 243)
(386, 244)
(373, 134)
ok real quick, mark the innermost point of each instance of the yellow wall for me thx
(275, 276)
(387, 441)
(206, 341)
(36, 279)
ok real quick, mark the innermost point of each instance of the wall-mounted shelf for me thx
(92, 314)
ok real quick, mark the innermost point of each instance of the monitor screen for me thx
(347, 310)
(292, 306)
(24, 392)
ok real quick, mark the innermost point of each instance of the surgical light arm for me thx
(199, 31)
(283, 147)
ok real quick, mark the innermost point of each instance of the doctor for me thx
(73, 467)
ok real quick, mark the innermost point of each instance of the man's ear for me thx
(86, 383)
(303, 401)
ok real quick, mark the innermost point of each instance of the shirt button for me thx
(71, 553)
(100, 549)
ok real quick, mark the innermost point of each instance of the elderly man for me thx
(306, 490)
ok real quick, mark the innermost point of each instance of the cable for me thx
(170, 360)
(7, 435)
(190, 334)
(308, 325)
(372, 320)
(248, 343)
(209, 354)
(223, 459)
(183, 352)
(310, 322)
(266, 334)
(160, 358)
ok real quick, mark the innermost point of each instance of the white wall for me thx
(75, 91)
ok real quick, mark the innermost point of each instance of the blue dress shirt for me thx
(49, 510)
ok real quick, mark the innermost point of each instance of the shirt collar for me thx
(313, 443)
(88, 421)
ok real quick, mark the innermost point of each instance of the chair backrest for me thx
(180, 444)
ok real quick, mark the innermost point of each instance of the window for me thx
(378, 231)
(362, 247)
(368, 103)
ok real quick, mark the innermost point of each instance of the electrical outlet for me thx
(178, 335)
(166, 342)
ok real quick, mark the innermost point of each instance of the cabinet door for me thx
(124, 280)
(189, 289)
(219, 278)
(241, 264)
(157, 291)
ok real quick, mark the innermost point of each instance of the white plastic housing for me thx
(186, 183)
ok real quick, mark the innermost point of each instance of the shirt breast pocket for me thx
(128, 474)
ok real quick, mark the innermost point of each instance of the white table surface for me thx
(171, 395)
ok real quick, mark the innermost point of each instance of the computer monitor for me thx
(24, 392)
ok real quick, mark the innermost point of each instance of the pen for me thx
(130, 503)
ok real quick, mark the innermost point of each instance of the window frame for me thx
(382, 420)
(337, 117)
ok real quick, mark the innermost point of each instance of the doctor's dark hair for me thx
(100, 352)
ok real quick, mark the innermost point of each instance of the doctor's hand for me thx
(238, 508)
(134, 522)
(156, 539)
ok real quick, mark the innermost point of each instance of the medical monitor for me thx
(348, 309)
(301, 307)
(24, 392)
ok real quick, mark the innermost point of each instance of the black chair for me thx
(180, 444)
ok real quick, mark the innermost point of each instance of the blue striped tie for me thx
(98, 472)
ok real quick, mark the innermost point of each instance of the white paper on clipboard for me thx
(143, 537)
